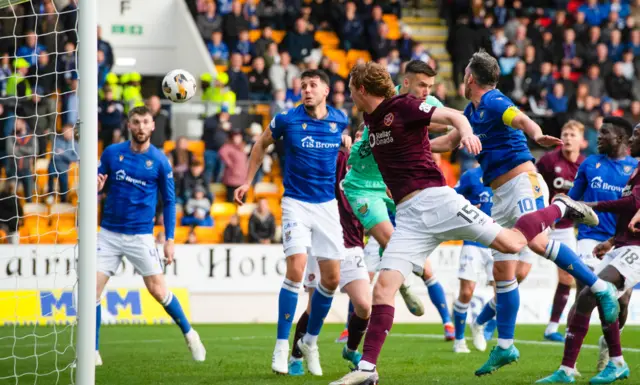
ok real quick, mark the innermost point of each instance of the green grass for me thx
(241, 354)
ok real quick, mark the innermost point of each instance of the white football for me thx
(179, 86)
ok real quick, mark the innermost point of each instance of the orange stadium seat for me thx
(219, 191)
(68, 236)
(181, 235)
(63, 215)
(244, 212)
(208, 235)
(35, 214)
(278, 36)
(254, 35)
(327, 38)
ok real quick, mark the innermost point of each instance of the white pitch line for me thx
(523, 342)
(242, 338)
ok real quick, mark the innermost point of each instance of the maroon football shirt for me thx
(352, 230)
(559, 173)
(626, 207)
(400, 144)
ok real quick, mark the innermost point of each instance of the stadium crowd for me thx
(559, 60)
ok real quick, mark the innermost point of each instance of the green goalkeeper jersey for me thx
(364, 172)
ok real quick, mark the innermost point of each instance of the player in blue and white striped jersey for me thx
(131, 174)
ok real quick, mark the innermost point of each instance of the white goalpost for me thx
(48, 213)
(88, 191)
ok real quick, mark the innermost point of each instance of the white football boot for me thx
(198, 352)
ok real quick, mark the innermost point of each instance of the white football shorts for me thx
(139, 249)
(523, 194)
(352, 268)
(314, 226)
(627, 261)
(585, 250)
(473, 261)
(372, 255)
(566, 236)
(433, 216)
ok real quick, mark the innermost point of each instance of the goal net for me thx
(39, 173)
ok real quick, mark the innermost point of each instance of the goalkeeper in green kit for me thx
(369, 198)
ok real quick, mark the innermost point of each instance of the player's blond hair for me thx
(575, 125)
(374, 78)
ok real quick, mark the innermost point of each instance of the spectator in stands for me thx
(543, 81)
(259, 83)
(181, 159)
(197, 210)
(272, 57)
(588, 49)
(110, 117)
(602, 60)
(65, 152)
(530, 59)
(69, 18)
(420, 53)
(320, 14)
(233, 232)
(557, 101)
(262, 44)
(509, 60)
(281, 75)
(18, 84)
(105, 47)
(5, 73)
(634, 44)
(521, 41)
(393, 63)
(570, 49)
(66, 66)
(612, 23)
(245, 47)
(459, 48)
(628, 65)
(294, 94)
(103, 69)
(270, 13)
(405, 43)
(618, 87)
(193, 179)
(380, 44)
(500, 13)
(50, 29)
(238, 80)
(46, 73)
(373, 21)
(209, 22)
(31, 49)
(558, 29)
(40, 113)
(616, 47)
(635, 11)
(235, 161)
(498, 42)
(594, 13)
(262, 224)
(580, 26)
(517, 85)
(299, 42)
(234, 23)
(163, 130)
(215, 133)
(22, 148)
(224, 6)
(549, 50)
(279, 103)
(10, 213)
(566, 78)
(70, 102)
(218, 49)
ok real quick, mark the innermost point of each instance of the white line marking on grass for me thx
(523, 342)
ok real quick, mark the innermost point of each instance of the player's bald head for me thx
(484, 68)
(373, 78)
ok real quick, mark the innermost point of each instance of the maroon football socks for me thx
(379, 327)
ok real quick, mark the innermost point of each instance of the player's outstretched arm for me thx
(255, 161)
(453, 118)
(522, 122)
(446, 143)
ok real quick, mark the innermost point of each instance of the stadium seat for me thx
(266, 190)
(63, 215)
(68, 236)
(181, 234)
(42, 235)
(219, 191)
(35, 214)
(327, 38)
(208, 235)
(254, 35)
(244, 212)
(3, 236)
(278, 36)
(221, 68)
(223, 209)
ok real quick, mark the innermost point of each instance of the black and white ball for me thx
(179, 86)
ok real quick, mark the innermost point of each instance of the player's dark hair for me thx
(140, 110)
(622, 125)
(420, 67)
(320, 74)
(484, 68)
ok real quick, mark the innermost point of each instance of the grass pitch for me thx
(241, 354)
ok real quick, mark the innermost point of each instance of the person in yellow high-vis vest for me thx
(112, 81)
(222, 95)
(207, 88)
(17, 84)
(131, 95)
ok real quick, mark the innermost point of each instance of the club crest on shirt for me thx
(598, 165)
(304, 126)
(333, 127)
(363, 210)
(121, 158)
(388, 119)
(627, 169)
(148, 164)
(558, 170)
(481, 114)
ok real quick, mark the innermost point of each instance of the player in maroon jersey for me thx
(559, 168)
(428, 211)
(354, 278)
(620, 267)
